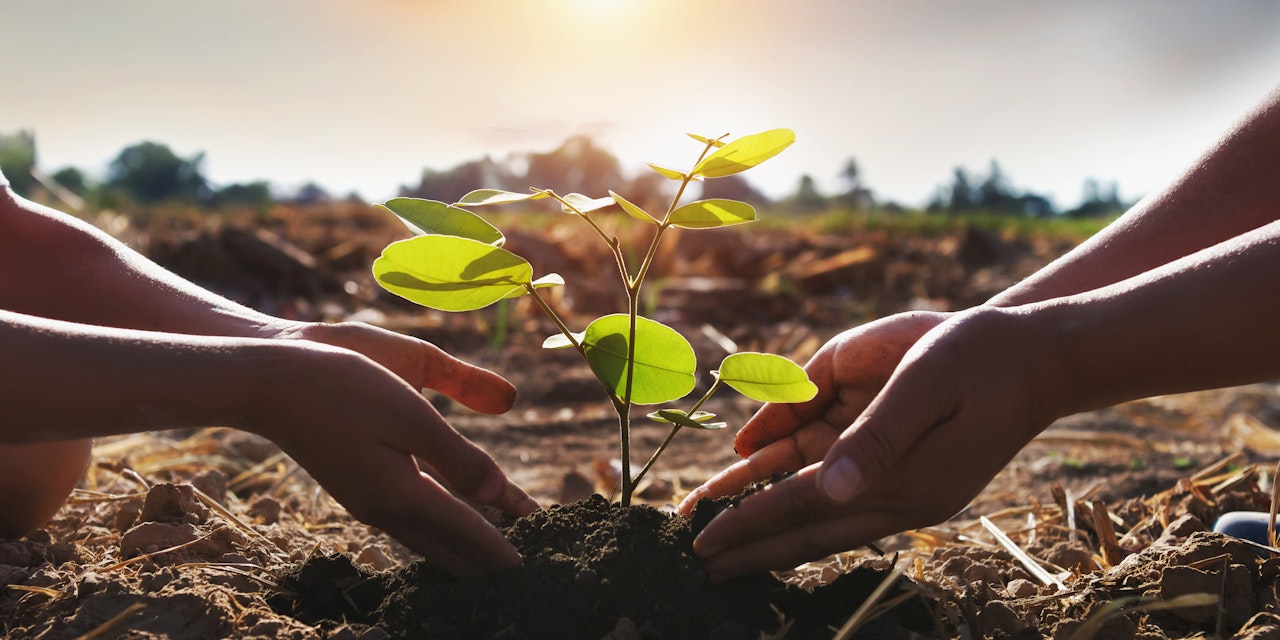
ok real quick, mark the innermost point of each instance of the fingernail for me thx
(841, 480)
(528, 506)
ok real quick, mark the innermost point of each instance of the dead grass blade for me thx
(213, 504)
(1096, 439)
(240, 569)
(1118, 607)
(864, 613)
(107, 626)
(1217, 467)
(1112, 552)
(176, 547)
(1275, 505)
(84, 496)
(51, 593)
(251, 473)
(1027, 561)
(784, 626)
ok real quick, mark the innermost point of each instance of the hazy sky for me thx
(364, 94)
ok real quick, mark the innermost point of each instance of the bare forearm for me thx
(54, 266)
(1233, 189)
(63, 381)
(1205, 321)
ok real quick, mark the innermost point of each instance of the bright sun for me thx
(601, 7)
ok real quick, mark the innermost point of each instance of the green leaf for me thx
(668, 173)
(704, 140)
(766, 377)
(632, 210)
(698, 416)
(744, 153)
(585, 204)
(481, 197)
(708, 214)
(664, 365)
(431, 216)
(451, 273)
(561, 341)
(699, 419)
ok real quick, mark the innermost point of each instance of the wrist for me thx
(1025, 339)
(278, 373)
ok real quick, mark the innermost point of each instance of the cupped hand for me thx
(356, 426)
(959, 405)
(849, 371)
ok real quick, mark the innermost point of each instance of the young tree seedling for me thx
(456, 262)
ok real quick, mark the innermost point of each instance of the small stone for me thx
(1181, 528)
(1022, 588)
(266, 509)
(1073, 557)
(374, 557)
(167, 502)
(999, 615)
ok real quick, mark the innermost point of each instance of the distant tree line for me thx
(145, 173)
(148, 173)
(993, 193)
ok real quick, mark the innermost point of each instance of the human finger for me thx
(777, 420)
(475, 387)
(788, 523)
(912, 403)
(849, 370)
(788, 548)
(460, 464)
(392, 495)
(509, 497)
(791, 502)
(452, 535)
(808, 444)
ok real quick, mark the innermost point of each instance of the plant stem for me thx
(705, 397)
(624, 411)
(612, 242)
(633, 310)
(674, 429)
(564, 329)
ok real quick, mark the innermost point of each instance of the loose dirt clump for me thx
(591, 569)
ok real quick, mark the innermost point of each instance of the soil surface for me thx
(215, 534)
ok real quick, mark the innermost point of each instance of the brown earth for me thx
(214, 533)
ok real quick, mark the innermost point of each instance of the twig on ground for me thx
(864, 612)
(114, 621)
(1025, 558)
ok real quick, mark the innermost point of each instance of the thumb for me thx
(477, 388)
(869, 449)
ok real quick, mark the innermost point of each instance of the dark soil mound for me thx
(591, 568)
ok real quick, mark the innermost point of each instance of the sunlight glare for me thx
(602, 8)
